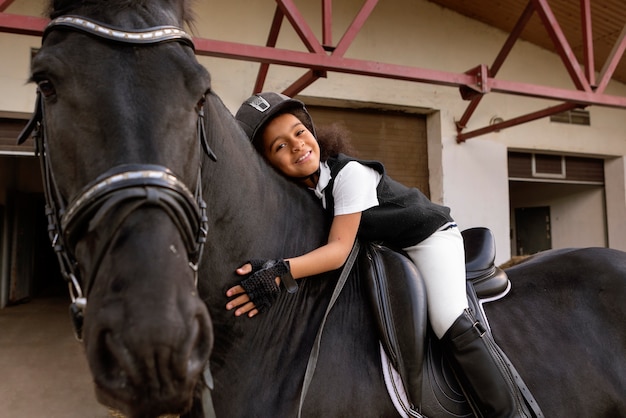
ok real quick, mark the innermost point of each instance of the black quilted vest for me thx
(404, 216)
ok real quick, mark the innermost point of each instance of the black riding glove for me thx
(261, 285)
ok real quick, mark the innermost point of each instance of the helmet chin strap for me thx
(313, 177)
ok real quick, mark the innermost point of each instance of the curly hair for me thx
(334, 139)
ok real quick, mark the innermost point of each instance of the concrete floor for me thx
(43, 372)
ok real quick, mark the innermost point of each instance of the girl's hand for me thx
(241, 302)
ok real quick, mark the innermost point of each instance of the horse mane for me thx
(56, 8)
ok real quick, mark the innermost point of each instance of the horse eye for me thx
(46, 88)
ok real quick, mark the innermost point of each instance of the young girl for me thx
(367, 204)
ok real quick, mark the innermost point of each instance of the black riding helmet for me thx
(259, 109)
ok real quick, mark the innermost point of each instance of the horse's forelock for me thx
(57, 8)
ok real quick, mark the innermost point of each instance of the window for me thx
(573, 117)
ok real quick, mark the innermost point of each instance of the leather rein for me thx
(133, 185)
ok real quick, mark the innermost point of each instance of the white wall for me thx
(477, 188)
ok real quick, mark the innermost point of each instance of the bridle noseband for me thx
(123, 189)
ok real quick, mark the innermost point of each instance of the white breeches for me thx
(440, 260)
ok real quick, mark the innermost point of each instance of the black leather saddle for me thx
(397, 293)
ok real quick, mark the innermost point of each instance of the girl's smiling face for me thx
(290, 147)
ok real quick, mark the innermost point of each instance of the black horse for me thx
(129, 130)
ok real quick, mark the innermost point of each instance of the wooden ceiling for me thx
(608, 20)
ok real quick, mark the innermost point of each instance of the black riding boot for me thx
(481, 371)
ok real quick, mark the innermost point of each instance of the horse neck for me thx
(254, 212)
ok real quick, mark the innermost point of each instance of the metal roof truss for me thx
(473, 84)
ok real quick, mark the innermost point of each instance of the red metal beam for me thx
(303, 82)
(512, 38)
(4, 4)
(554, 93)
(327, 24)
(255, 53)
(272, 38)
(22, 25)
(613, 59)
(562, 46)
(323, 62)
(462, 137)
(355, 27)
(287, 8)
(582, 82)
(301, 27)
(590, 69)
(497, 63)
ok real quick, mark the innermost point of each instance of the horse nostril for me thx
(201, 344)
(113, 372)
(199, 341)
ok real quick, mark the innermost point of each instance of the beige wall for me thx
(16, 94)
(472, 177)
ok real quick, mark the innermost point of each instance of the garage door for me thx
(397, 139)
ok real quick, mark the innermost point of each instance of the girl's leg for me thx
(485, 378)
(440, 260)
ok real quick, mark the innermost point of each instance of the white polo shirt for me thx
(354, 189)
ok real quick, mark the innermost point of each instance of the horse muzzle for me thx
(147, 333)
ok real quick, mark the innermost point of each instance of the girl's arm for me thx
(334, 254)
(330, 256)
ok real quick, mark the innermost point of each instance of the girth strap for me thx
(312, 363)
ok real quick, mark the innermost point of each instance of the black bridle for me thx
(134, 185)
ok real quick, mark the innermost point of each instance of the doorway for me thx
(33, 270)
(534, 232)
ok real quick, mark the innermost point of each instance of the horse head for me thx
(120, 97)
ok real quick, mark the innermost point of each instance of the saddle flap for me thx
(398, 297)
